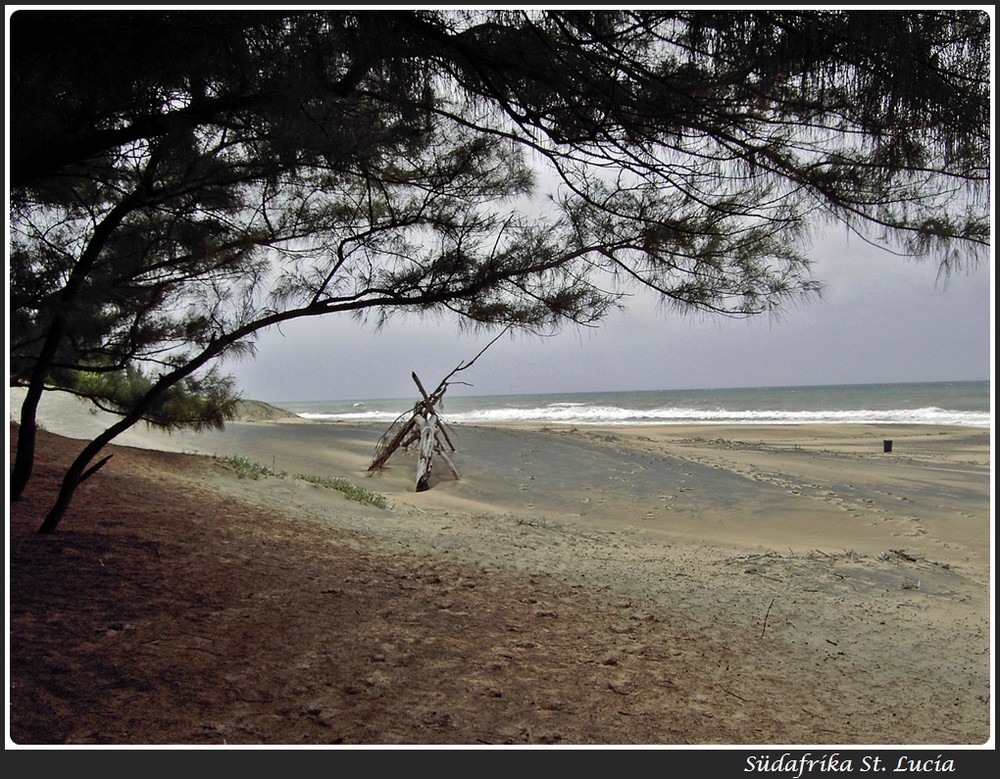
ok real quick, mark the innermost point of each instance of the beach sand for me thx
(667, 585)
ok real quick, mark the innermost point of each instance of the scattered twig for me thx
(738, 697)
(766, 614)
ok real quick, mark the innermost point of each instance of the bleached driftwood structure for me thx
(423, 426)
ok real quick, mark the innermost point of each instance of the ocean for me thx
(965, 403)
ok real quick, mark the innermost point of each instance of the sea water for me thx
(966, 403)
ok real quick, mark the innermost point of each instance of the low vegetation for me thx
(248, 469)
(351, 490)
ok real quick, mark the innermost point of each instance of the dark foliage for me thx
(182, 180)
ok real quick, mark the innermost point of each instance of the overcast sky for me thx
(882, 319)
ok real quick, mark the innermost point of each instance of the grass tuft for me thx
(248, 469)
(352, 491)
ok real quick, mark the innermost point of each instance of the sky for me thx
(882, 319)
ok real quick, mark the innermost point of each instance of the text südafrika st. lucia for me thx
(796, 766)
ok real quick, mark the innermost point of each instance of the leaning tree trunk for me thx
(75, 475)
(78, 472)
(24, 459)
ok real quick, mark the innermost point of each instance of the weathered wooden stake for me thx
(428, 442)
(451, 466)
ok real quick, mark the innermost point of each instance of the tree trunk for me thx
(75, 475)
(71, 480)
(24, 458)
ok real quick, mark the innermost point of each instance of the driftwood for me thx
(423, 425)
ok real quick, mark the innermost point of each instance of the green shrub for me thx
(352, 491)
(247, 469)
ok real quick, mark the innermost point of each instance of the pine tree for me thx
(181, 180)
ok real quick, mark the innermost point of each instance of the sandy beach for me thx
(671, 585)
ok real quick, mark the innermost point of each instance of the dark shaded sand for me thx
(657, 586)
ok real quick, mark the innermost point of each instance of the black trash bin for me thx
(887, 446)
